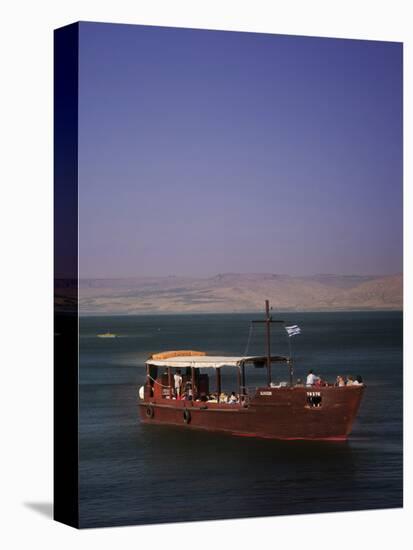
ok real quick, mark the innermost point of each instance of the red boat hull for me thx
(325, 413)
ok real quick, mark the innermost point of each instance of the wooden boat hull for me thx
(325, 413)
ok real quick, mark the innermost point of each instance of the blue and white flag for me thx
(293, 330)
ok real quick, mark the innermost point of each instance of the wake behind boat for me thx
(177, 392)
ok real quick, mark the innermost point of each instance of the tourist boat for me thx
(107, 335)
(289, 411)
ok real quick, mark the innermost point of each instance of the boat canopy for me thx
(200, 360)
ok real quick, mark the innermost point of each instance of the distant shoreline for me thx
(231, 292)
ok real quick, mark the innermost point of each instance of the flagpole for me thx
(290, 360)
(289, 345)
(291, 331)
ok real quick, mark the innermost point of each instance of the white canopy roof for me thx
(206, 361)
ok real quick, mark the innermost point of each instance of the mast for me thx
(268, 333)
(268, 320)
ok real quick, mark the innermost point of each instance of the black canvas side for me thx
(66, 455)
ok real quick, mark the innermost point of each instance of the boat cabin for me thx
(180, 375)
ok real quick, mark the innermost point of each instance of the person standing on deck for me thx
(178, 383)
(311, 378)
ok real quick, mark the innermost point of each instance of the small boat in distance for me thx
(107, 335)
(177, 392)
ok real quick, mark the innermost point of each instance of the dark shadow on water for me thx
(166, 440)
(43, 508)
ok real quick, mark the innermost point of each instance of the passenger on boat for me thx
(188, 390)
(311, 378)
(178, 383)
(184, 396)
(213, 398)
(340, 381)
(223, 398)
(233, 398)
(358, 380)
(350, 381)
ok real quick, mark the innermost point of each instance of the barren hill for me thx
(234, 292)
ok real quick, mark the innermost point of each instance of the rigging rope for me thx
(159, 384)
(249, 340)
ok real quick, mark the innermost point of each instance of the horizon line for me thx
(226, 273)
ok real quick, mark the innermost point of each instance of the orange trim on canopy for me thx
(181, 353)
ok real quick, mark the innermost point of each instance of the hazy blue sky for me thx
(204, 152)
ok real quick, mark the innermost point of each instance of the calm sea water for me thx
(134, 474)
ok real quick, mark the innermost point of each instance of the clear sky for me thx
(204, 152)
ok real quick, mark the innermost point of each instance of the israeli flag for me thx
(293, 330)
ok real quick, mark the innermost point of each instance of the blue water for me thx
(135, 474)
